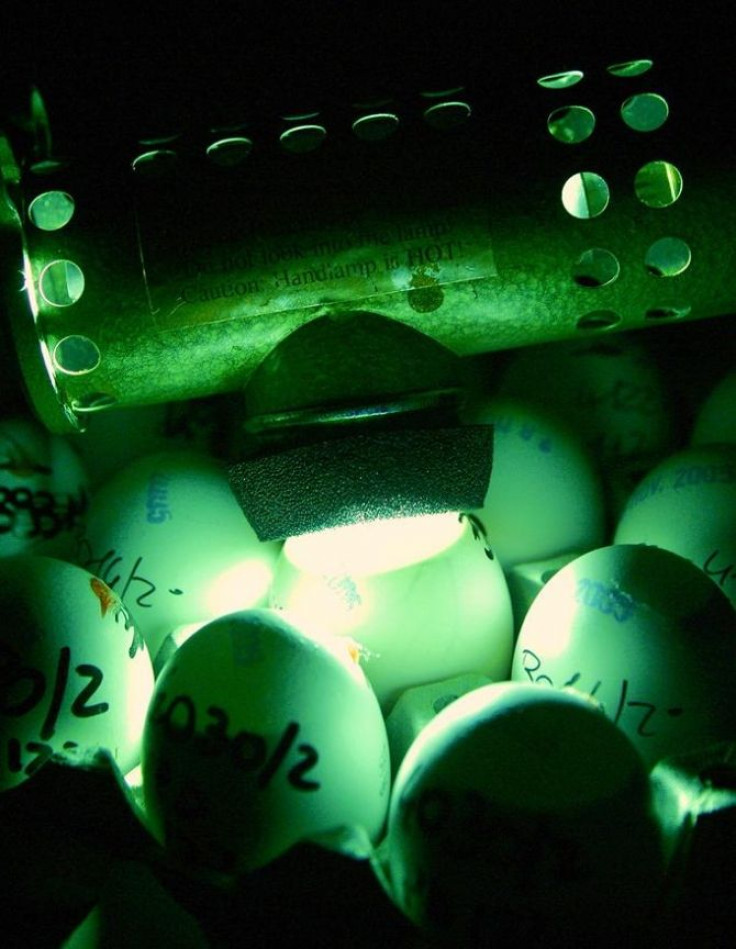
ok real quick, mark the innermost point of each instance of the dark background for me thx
(113, 71)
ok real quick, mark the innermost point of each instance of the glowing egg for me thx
(76, 674)
(423, 597)
(716, 420)
(544, 496)
(43, 490)
(259, 737)
(521, 813)
(647, 635)
(168, 535)
(687, 504)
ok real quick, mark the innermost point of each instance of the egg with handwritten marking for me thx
(76, 675)
(43, 490)
(647, 635)
(258, 737)
(687, 504)
(544, 496)
(169, 537)
(424, 596)
(521, 811)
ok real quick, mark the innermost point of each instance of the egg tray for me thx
(69, 837)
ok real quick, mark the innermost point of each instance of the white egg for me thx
(423, 597)
(611, 392)
(716, 419)
(523, 812)
(77, 676)
(647, 635)
(43, 490)
(168, 535)
(687, 504)
(259, 737)
(544, 497)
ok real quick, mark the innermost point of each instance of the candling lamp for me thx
(567, 197)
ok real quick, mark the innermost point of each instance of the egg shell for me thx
(545, 496)
(168, 535)
(645, 633)
(424, 598)
(258, 737)
(77, 675)
(521, 811)
(43, 490)
(687, 504)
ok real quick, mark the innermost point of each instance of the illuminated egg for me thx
(687, 504)
(544, 497)
(716, 420)
(76, 674)
(168, 535)
(611, 392)
(43, 490)
(520, 816)
(423, 597)
(259, 737)
(647, 635)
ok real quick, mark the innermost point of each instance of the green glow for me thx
(634, 67)
(376, 546)
(51, 210)
(585, 195)
(645, 112)
(658, 184)
(571, 124)
(561, 80)
(245, 582)
(668, 257)
(76, 355)
(61, 283)
(228, 152)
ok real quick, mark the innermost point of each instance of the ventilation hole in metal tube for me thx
(631, 68)
(443, 93)
(76, 355)
(51, 210)
(94, 402)
(658, 184)
(49, 166)
(229, 152)
(447, 115)
(303, 138)
(598, 320)
(561, 80)
(645, 112)
(375, 127)
(152, 141)
(585, 195)
(571, 124)
(661, 313)
(61, 283)
(154, 163)
(668, 257)
(595, 268)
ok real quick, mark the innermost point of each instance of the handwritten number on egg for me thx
(23, 688)
(248, 750)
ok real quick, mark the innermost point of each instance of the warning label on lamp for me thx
(262, 274)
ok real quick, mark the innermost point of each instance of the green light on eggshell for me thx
(521, 810)
(424, 597)
(259, 737)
